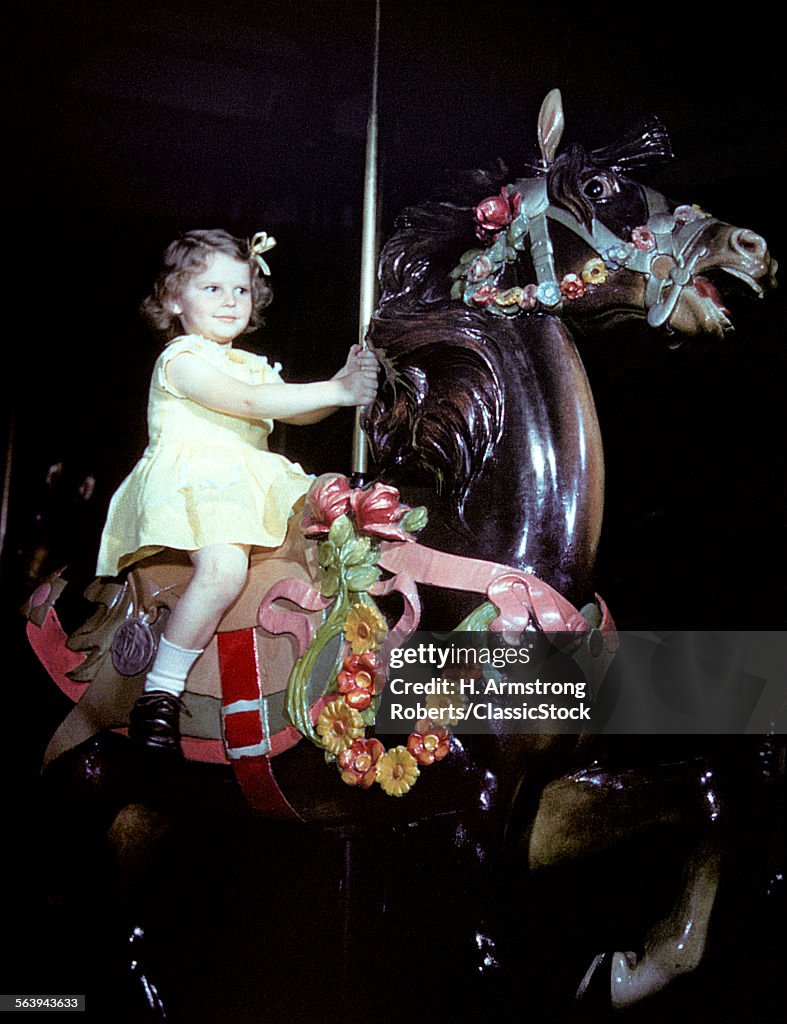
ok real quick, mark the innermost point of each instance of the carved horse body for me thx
(486, 417)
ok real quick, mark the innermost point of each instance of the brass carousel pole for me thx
(353, 910)
(360, 453)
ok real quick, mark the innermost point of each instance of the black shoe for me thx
(154, 721)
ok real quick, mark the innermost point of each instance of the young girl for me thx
(206, 483)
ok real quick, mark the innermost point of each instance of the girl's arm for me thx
(204, 384)
(357, 359)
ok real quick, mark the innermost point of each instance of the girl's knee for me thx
(221, 570)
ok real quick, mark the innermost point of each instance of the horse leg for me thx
(99, 827)
(752, 774)
(573, 821)
(676, 944)
(133, 839)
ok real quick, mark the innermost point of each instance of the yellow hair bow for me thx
(261, 243)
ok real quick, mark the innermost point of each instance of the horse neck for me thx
(539, 500)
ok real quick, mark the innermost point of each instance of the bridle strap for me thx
(671, 240)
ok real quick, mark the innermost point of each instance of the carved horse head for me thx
(582, 240)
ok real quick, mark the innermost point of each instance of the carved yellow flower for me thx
(444, 708)
(364, 628)
(595, 272)
(397, 771)
(338, 726)
(510, 297)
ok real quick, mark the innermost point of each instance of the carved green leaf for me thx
(330, 582)
(326, 554)
(479, 619)
(355, 550)
(497, 252)
(469, 256)
(341, 531)
(415, 520)
(361, 577)
(517, 232)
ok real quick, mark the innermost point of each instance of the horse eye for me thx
(598, 187)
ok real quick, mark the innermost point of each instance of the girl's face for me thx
(216, 302)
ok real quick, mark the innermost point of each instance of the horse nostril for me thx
(748, 243)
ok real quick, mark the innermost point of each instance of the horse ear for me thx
(550, 126)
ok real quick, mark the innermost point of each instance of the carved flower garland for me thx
(500, 218)
(348, 523)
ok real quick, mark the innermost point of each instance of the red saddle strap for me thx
(245, 725)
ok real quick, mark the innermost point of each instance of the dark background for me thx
(134, 121)
(140, 120)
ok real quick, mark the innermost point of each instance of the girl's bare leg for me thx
(220, 572)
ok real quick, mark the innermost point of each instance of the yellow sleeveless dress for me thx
(205, 477)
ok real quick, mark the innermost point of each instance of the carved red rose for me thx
(496, 212)
(643, 238)
(327, 500)
(378, 511)
(429, 747)
(358, 680)
(485, 294)
(358, 762)
(573, 287)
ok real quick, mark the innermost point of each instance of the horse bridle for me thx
(672, 239)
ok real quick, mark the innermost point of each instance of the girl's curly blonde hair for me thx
(188, 256)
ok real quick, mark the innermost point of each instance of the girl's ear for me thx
(175, 308)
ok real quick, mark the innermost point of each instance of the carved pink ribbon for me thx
(609, 631)
(518, 596)
(278, 620)
(404, 585)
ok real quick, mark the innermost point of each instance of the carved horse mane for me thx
(441, 408)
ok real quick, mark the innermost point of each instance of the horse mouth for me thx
(709, 293)
(706, 289)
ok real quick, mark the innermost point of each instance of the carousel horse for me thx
(487, 445)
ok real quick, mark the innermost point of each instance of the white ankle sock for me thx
(170, 668)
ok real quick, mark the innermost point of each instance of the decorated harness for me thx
(662, 250)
